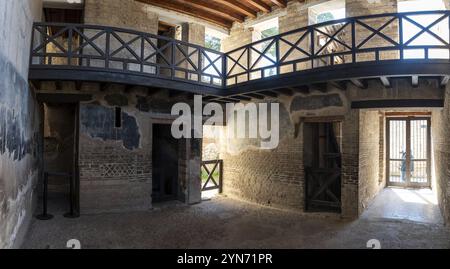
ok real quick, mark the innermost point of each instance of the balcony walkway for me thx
(337, 52)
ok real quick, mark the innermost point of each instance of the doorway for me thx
(322, 164)
(165, 156)
(408, 152)
(60, 156)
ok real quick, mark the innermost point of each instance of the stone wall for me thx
(121, 13)
(440, 132)
(369, 150)
(19, 121)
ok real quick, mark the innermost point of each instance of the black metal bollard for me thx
(45, 215)
(71, 214)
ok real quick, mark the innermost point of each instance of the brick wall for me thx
(270, 177)
(116, 163)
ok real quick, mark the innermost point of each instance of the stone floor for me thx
(226, 223)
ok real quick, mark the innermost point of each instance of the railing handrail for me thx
(125, 30)
(332, 22)
(220, 64)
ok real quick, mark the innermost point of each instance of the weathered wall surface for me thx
(276, 177)
(440, 132)
(121, 13)
(115, 163)
(19, 121)
(270, 177)
(369, 150)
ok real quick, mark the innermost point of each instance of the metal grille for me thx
(408, 152)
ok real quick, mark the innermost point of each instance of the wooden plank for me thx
(280, 3)
(213, 8)
(241, 97)
(255, 95)
(341, 85)
(269, 93)
(63, 97)
(386, 82)
(238, 7)
(398, 103)
(286, 91)
(179, 7)
(359, 83)
(415, 81)
(444, 81)
(407, 114)
(259, 5)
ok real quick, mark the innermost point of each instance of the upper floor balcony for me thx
(352, 49)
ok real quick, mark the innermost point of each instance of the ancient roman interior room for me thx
(224, 124)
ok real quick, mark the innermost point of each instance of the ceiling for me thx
(220, 12)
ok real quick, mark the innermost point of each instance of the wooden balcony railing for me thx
(374, 38)
(92, 47)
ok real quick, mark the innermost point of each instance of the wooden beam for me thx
(341, 85)
(212, 8)
(78, 85)
(321, 87)
(301, 89)
(58, 85)
(280, 3)
(260, 5)
(175, 5)
(285, 91)
(398, 103)
(255, 95)
(415, 81)
(103, 86)
(241, 97)
(386, 82)
(269, 93)
(444, 81)
(360, 83)
(238, 7)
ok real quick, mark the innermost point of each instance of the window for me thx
(264, 30)
(328, 11)
(211, 62)
(424, 39)
(212, 42)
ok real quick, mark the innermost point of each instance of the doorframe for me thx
(408, 118)
(184, 149)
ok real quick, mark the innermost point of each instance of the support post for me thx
(45, 215)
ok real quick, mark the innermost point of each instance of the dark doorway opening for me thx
(60, 156)
(322, 163)
(165, 156)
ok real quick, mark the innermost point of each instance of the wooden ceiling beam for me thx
(360, 83)
(259, 5)
(213, 8)
(177, 6)
(444, 81)
(386, 82)
(238, 7)
(280, 3)
(415, 81)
